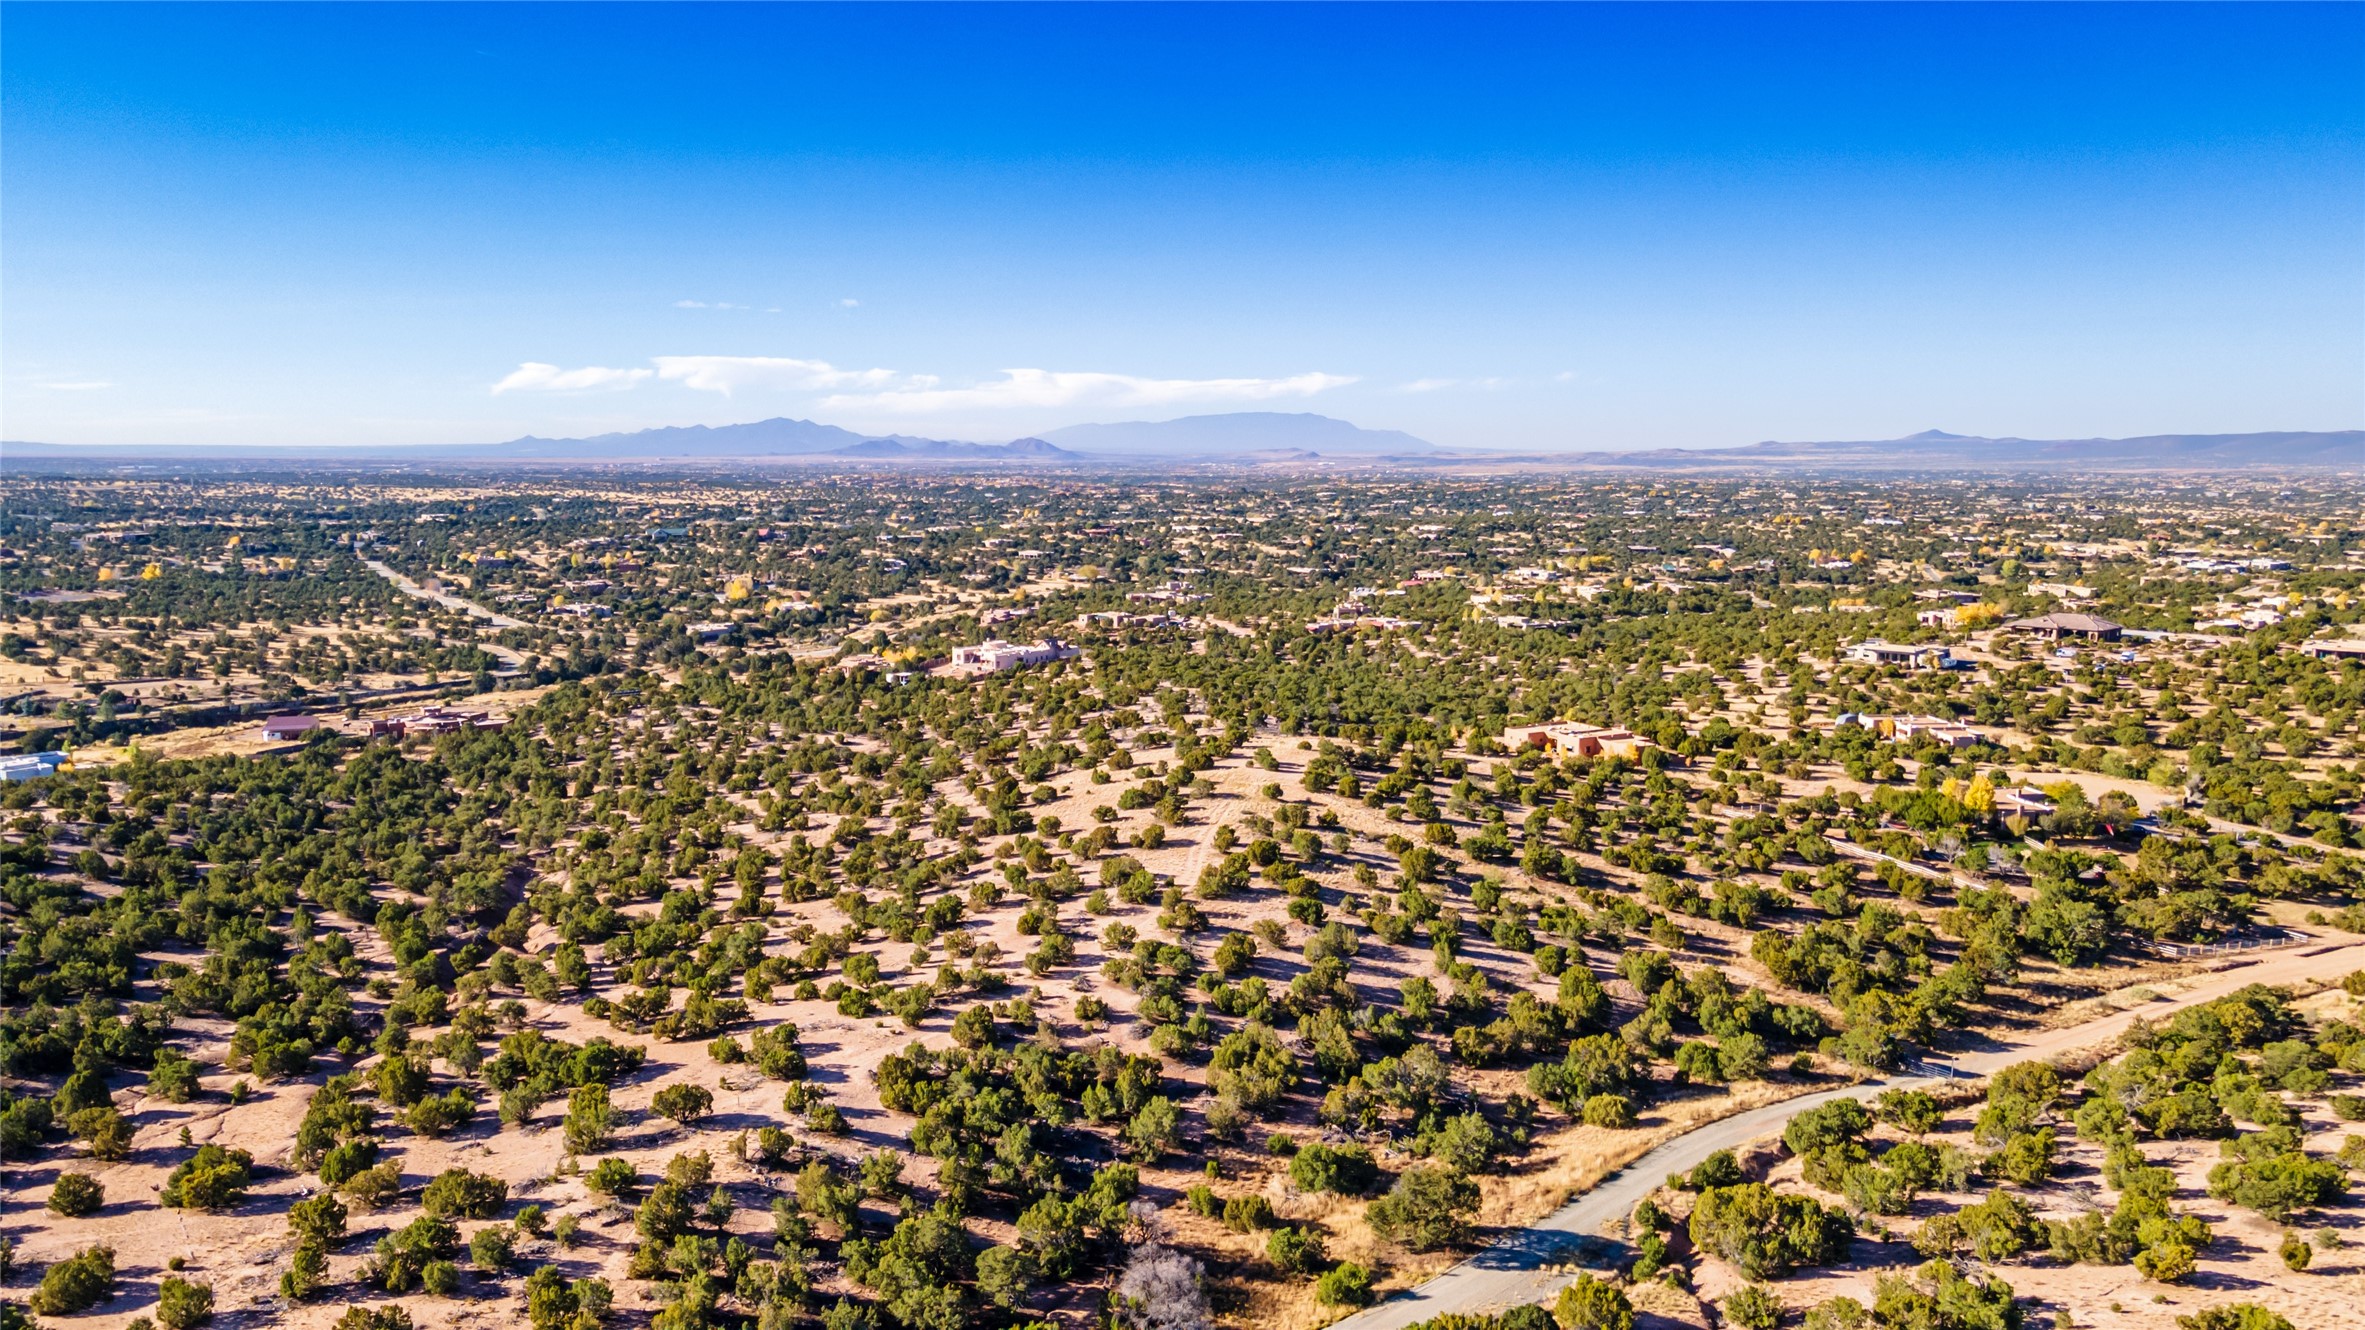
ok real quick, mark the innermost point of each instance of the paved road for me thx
(1517, 1270)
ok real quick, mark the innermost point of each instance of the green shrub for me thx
(173, 1078)
(1297, 1251)
(307, 1270)
(1999, 1227)
(375, 1188)
(1609, 1110)
(1751, 1307)
(212, 1179)
(612, 1177)
(1767, 1234)
(76, 1195)
(458, 1192)
(1248, 1214)
(181, 1305)
(1842, 1313)
(1940, 1296)
(2234, 1316)
(441, 1115)
(1839, 1122)
(2026, 1159)
(1721, 1169)
(1344, 1285)
(683, 1102)
(1914, 1111)
(2168, 1262)
(1428, 1208)
(2278, 1186)
(107, 1131)
(590, 1120)
(78, 1283)
(1591, 1304)
(1347, 1170)
(319, 1219)
(492, 1248)
(373, 1318)
(400, 1261)
(342, 1161)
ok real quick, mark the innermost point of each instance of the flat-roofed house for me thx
(280, 729)
(1926, 656)
(1572, 739)
(30, 766)
(1948, 733)
(2057, 626)
(995, 656)
(2023, 801)
(436, 720)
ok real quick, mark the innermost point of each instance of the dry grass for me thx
(1653, 1297)
(1573, 1160)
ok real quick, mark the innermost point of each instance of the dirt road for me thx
(450, 602)
(1529, 1266)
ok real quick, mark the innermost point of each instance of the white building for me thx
(1923, 657)
(995, 656)
(31, 766)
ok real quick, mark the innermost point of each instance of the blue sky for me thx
(1531, 227)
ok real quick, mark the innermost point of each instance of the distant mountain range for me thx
(1939, 450)
(1280, 438)
(1253, 435)
(1237, 434)
(1240, 434)
(754, 441)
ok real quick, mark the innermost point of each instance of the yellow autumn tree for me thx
(1978, 797)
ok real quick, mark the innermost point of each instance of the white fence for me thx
(2281, 937)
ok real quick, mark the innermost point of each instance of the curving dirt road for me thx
(1529, 1266)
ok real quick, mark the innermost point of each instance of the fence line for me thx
(2186, 950)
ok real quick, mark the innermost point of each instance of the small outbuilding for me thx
(283, 728)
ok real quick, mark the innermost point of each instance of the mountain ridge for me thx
(1282, 438)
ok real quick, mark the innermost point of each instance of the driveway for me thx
(1520, 1269)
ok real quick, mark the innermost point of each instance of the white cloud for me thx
(722, 374)
(885, 390)
(848, 303)
(706, 304)
(534, 376)
(920, 395)
(78, 386)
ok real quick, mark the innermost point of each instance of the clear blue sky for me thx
(1529, 226)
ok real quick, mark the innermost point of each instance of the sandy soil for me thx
(242, 1252)
(2242, 1265)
